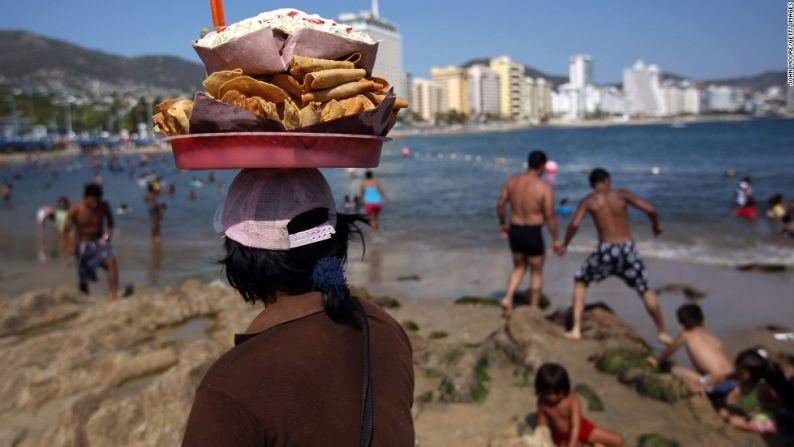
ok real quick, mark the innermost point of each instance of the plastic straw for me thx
(217, 14)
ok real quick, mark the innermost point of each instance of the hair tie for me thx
(328, 273)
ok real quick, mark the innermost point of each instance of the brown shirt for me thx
(299, 383)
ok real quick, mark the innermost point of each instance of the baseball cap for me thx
(261, 202)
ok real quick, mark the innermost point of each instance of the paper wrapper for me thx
(212, 116)
(266, 51)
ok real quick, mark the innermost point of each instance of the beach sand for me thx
(84, 371)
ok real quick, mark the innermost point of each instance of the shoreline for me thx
(579, 124)
(161, 148)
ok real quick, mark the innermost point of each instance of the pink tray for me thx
(275, 150)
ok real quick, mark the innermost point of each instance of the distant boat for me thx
(678, 124)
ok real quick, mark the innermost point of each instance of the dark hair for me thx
(564, 200)
(777, 199)
(746, 179)
(536, 160)
(150, 187)
(598, 175)
(757, 365)
(368, 174)
(64, 200)
(690, 316)
(93, 190)
(552, 378)
(258, 274)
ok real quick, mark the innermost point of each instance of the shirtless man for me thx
(705, 352)
(93, 246)
(531, 202)
(615, 253)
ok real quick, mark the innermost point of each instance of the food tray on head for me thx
(237, 150)
(265, 44)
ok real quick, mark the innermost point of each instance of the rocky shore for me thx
(81, 371)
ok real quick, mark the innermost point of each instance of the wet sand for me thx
(737, 305)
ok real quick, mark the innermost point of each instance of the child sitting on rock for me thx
(761, 390)
(560, 409)
(705, 351)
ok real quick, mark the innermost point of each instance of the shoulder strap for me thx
(365, 436)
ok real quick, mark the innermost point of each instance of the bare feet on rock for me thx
(573, 335)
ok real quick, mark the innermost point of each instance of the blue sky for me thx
(700, 39)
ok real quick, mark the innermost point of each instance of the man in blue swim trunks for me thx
(531, 201)
(615, 254)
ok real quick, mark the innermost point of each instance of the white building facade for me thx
(389, 63)
(642, 90)
(580, 70)
(483, 90)
(424, 99)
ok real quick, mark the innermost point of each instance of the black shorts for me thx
(526, 239)
(620, 260)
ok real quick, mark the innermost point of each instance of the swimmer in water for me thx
(61, 211)
(374, 198)
(123, 210)
(744, 190)
(748, 210)
(348, 205)
(564, 209)
(8, 190)
(155, 212)
(44, 217)
(788, 226)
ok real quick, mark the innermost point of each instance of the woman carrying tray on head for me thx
(373, 196)
(295, 376)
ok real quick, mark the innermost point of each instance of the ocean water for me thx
(444, 194)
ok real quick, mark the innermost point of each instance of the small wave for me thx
(703, 252)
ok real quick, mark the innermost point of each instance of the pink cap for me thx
(261, 202)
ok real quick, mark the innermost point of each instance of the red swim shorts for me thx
(585, 430)
(372, 209)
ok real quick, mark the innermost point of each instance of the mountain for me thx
(758, 82)
(555, 80)
(33, 61)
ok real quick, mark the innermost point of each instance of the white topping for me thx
(286, 20)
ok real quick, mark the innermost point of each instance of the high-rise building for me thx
(389, 63)
(424, 99)
(723, 98)
(692, 99)
(452, 87)
(511, 86)
(580, 70)
(642, 90)
(483, 90)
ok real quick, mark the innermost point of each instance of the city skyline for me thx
(695, 41)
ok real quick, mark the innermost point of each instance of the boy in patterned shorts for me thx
(615, 254)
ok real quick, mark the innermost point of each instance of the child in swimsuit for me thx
(751, 405)
(560, 409)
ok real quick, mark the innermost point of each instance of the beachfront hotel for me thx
(483, 90)
(642, 90)
(452, 88)
(389, 63)
(424, 99)
(511, 86)
(536, 98)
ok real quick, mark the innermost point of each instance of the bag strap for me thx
(365, 436)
